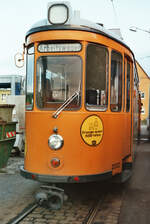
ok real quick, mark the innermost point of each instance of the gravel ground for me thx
(15, 191)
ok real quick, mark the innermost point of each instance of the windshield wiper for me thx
(65, 104)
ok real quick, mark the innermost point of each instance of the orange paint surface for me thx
(77, 157)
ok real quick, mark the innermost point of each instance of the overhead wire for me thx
(115, 13)
(145, 57)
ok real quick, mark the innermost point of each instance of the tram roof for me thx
(91, 27)
(76, 24)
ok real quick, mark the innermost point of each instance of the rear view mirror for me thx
(19, 60)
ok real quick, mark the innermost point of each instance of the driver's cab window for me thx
(58, 78)
(96, 77)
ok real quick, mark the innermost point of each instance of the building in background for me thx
(144, 88)
(4, 93)
(12, 92)
(10, 85)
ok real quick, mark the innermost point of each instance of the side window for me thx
(136, 78)
(128, 87)
(124, 87)
(97, 77)
(142, 110)
(142, 95)
(116, 81)
(30, 78)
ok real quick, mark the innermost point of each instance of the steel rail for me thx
(93, 212)
(23, 214)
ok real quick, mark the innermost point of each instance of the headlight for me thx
(55, 141)
(58, 14)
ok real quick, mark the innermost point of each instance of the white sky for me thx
(17, 16)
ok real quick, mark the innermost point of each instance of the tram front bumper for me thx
(64, 179)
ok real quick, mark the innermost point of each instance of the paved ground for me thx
(136, 202)
(145, 132)
(15, 192)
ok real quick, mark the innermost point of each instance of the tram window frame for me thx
(54, 105)
(30, 58)
(97, 95)
(116, 91)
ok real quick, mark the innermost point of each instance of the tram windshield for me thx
(58, 77)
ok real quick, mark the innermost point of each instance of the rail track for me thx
(105, 208)
(87, 220)
(92, 214)
(23, 214)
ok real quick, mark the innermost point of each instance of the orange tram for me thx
(82, 101)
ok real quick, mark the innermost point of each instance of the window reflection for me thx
(30, 78)
(97, 77)
(128, 87)
(58, 77)
(116, 82)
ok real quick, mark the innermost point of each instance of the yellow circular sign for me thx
(92, 130)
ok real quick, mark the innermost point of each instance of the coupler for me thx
(51, 197)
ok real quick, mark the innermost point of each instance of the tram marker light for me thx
(33, 176)
(55, 162)
(76, 179)
(58, 13)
